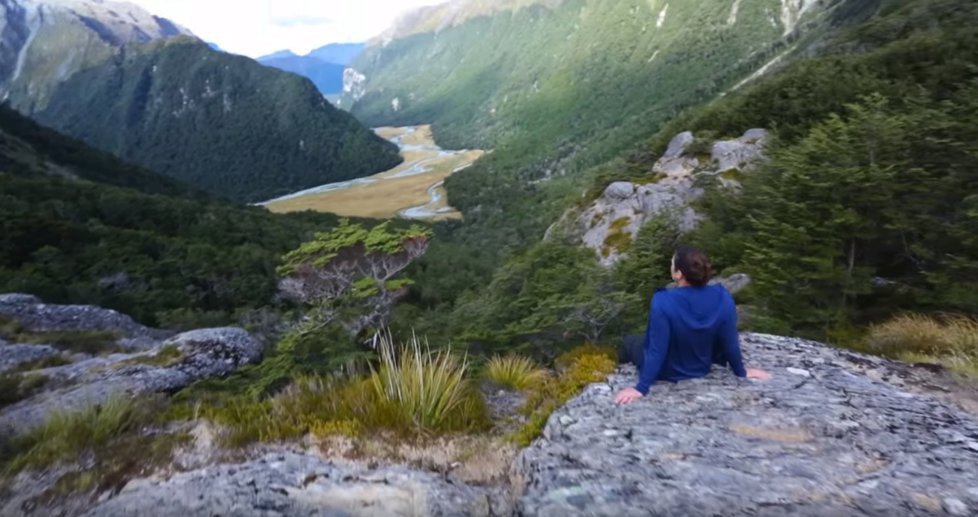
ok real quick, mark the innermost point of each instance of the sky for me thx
(259, 27)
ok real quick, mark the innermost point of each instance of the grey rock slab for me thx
(835, 442)
(293, 483)
(12, 356)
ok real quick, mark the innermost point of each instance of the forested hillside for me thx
(80, 226)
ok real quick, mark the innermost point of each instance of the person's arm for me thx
(656, 347)
(730, 342)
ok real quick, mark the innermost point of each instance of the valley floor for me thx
(413, 190)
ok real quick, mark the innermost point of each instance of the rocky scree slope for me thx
(144, 360)
(833, 433)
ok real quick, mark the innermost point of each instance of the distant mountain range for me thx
(147, 90)
(323, 66)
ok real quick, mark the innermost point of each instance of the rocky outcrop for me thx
(291, 483)
(14, 356)
(35, 316)
(156, 365)
(833, 433)
(610, 223)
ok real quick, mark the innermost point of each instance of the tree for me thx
(347, 276)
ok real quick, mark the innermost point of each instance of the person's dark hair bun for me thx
(694, 265)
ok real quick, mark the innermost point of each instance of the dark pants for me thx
(632, 350)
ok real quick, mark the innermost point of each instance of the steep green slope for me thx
(80, 226)
(866, 209)
(575, 78)
(28, 148)
(220, 122)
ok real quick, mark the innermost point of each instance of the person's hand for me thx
(627, 396)
(761, 375)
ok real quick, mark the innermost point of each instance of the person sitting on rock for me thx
(690, 328)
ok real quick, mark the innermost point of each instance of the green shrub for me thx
(515, 372)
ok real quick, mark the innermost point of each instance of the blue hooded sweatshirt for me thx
(690, 328)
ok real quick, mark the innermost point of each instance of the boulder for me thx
(674, 163)
(825, 436)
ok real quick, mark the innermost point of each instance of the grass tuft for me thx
(15, 387)
(948, 340)
(427, 386)
(515, 372)
(82, 341)
(67, 435)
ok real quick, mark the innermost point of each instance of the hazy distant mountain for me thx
(324, 66)
(338, 53)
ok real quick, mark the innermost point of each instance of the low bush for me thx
(585, 365)
(567, 359)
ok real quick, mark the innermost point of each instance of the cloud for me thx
(258, 27)
(300, 21)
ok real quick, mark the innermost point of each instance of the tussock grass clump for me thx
(427, 386)
(582, 369)
(413, 391)
(948, 340)
(515, 372)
